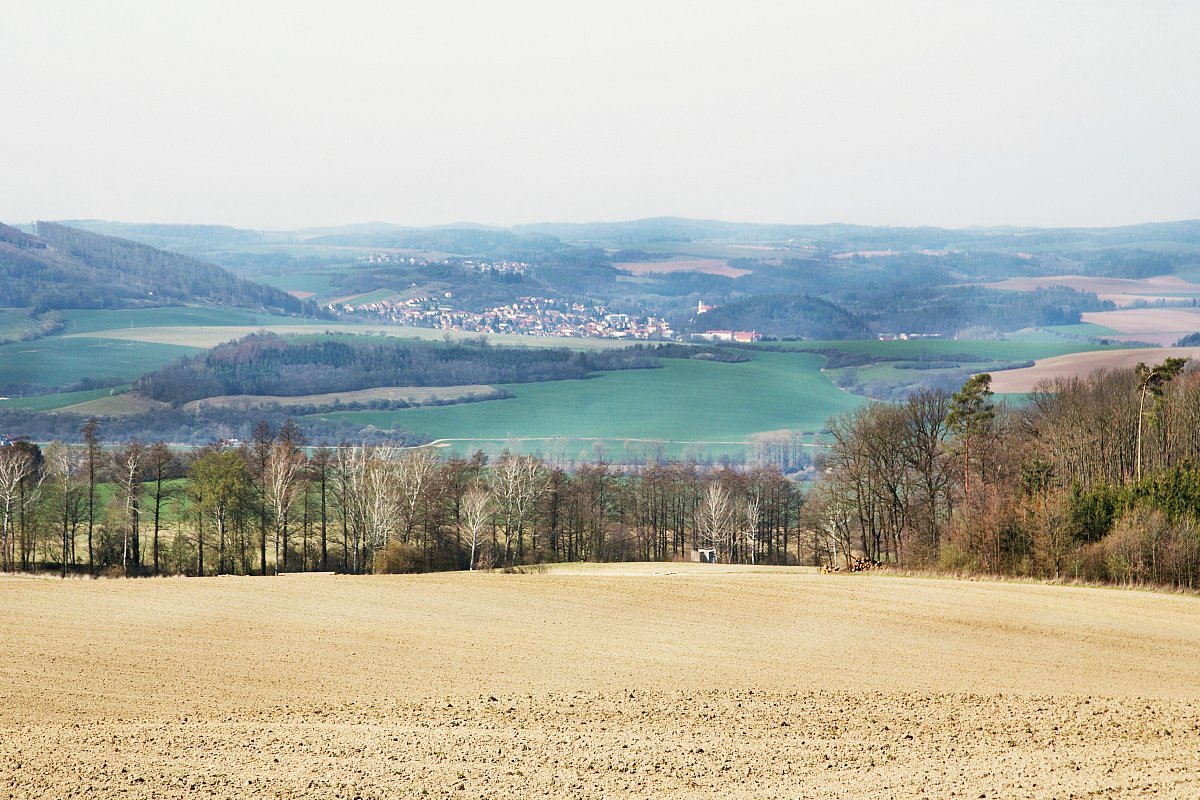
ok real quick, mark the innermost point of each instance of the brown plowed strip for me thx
(1080, 365)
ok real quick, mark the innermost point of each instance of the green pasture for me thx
(1083, 329)
(15, 323)
(57, 361)
(376, 296)
(319, 283)
(686, 401)
(89, 320)
(50, 402)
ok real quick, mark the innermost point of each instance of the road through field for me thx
(660, 680)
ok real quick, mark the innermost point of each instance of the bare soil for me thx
(660, 680)
(1080, 365)
(712, 266)
(1179, 321)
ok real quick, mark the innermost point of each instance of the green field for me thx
(50, 402)
(319, 283)
(684, 401)
(376, 296)
(89, 321)
(15, 323)
(56, 361)
(1084, 329)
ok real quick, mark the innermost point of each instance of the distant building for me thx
(728, 336)
(703, 309)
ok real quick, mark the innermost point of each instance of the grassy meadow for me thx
(59, 361)
(684, 401)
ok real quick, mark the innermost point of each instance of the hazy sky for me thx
(283, 114)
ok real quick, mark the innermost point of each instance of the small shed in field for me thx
(704, 556)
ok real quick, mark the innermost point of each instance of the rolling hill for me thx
(66, 268)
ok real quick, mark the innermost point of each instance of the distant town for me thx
(531, 316)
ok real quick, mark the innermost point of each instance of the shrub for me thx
(397, 558)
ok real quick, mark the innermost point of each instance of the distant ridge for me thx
(466, 238)
(64, 267)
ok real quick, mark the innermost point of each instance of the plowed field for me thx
(635, 681)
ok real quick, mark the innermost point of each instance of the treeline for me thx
(858, 313)
(273, 505)
(64, 267)
(266, 364)
(1095, 479)
(949, 310)
(201, 426)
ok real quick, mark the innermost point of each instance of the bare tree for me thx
(714, 518)
(1152, 383)
(751, 517)
(476, 519)
(62, 462)
(127, 469)
(17, 467)
(283, 466)
(517, 483)
(414, 469)
(159, 459)
(368, 473)
(92, 440)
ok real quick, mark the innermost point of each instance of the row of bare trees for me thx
(1061, 486)
(275, 504)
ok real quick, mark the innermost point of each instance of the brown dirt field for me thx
(648, 681)
(299, 295)
(409, 394)
(712, 266)
(119, 405)
(1081, 365)
(1147, 320)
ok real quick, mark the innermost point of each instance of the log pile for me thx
(856, 565)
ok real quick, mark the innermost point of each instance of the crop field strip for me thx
(62, 361)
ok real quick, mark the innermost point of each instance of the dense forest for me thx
(1094, 479)
(266, 364)
(785, 317)
(955, 310)
(861, 313)
(63, 267)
